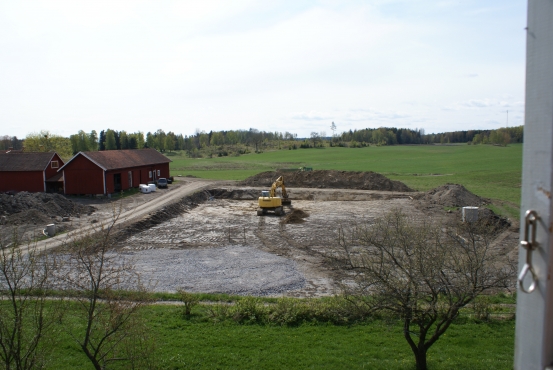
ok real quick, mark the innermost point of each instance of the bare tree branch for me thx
(422, 272)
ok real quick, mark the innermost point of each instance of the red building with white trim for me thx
(30, 171)
(110, 171)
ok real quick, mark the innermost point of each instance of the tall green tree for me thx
(117, 139)
(102, 140)
(160, 140)
(169, 143)
(124, 140)
(110, 140)
(93, 141)
(44, 141)
(150, 140)
(139, 140)
(132, 142)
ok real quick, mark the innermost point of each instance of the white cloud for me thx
(132, 65)
(310, 116)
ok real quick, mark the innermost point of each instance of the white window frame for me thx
(534, 319)
(149, 174)
(56, 166)
(158, 173)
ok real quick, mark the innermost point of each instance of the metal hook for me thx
(530, 219)
(521, 276)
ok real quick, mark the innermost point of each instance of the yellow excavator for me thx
(269, 201)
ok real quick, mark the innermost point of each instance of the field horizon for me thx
(488, 171)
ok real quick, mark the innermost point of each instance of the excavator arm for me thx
(279, 183)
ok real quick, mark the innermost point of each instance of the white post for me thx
(534, 324)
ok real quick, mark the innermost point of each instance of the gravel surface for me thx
(232, 270)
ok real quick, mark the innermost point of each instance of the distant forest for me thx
(395, 136)
(236, 142)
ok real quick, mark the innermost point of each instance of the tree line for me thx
(168, 141)
(237, 142)
(10, 142)
(395, 136)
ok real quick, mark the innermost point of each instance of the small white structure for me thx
(144, 188)
(470, 214)
(152, 187)
(50, 230)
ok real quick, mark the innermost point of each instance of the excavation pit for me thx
(217, 243)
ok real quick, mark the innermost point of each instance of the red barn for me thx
(32, 171)
(110, 171)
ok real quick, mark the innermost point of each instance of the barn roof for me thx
(117, 159)
(25, 161)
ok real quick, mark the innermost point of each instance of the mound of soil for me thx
(295, 217)
(452, 195)
(30, 216)
(328, 179)
(455, 195)
(236, 194)
(488, 218)
(46, 204)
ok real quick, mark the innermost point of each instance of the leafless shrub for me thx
(25, 320)
(108, 319)
(422, 272)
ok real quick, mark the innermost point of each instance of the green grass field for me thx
(488, 171)
(190, 344)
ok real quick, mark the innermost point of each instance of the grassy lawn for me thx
(489, 171)
(190, 344)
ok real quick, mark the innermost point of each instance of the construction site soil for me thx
(452, 195)
(328, 179)
(50, 205)
(213, 240)
(29, 213)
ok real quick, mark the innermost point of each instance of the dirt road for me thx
(131, 211)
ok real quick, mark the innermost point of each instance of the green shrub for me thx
(249, 310)
(482, 307)
(289, 311)
(218, 312)
(188, 299)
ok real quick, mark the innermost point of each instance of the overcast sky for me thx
(281, 66)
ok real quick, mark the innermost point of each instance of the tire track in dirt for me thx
(129, 217)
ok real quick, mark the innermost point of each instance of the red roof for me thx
(116, 159)
(25, 161)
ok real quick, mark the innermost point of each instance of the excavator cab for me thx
(269, 201)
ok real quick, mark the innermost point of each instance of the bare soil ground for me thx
(328, 179)
(221, 245)
(29, 213)
(213, 240)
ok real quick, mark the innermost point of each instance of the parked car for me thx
(162, 182)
